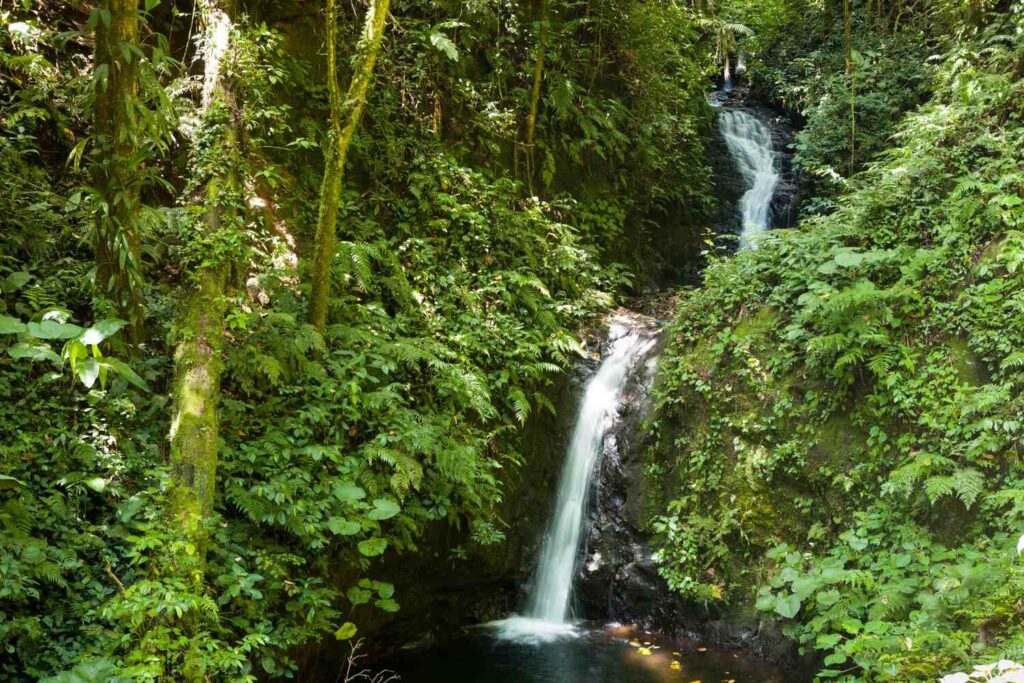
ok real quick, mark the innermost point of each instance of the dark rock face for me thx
(616, 578)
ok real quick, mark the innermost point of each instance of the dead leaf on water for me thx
(675, 666)
(644, 651)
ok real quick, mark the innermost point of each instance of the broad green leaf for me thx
(827, 641)
(787, 607)
(122, 369)
(34, 352)
(348, 492)
(7, 482)
(16, 281)
(372, 547)
(9, 325)
(383, 508)
(102, 330)
(347, 631)
(387, 605)
(342, 526)
(51, 329)
(358, 596)
(90, 372)
(385, 590)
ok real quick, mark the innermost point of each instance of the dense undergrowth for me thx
(839, 409)
(466, 264)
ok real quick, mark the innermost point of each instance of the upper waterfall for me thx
(751, 148)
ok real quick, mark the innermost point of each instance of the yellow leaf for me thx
(644, 651)
(675, 666)
(634, 643)
(702, 649)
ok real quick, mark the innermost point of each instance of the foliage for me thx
(849, 395)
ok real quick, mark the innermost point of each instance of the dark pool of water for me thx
(595, 655)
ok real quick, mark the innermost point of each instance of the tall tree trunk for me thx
(198, 360)
(848, 47)
(538, 81)
(116, 240)
(345, 116)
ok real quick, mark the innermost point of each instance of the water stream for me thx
(753, 152)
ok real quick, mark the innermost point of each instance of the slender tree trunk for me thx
(116, 240)
(198, 356)
(345, 116)
(538, 81)
(848, 46)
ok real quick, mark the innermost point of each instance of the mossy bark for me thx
(198, 359)
(198, 356)
(116, 240)
(538, 82)
(345, 116)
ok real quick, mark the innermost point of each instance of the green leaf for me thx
(348, 492)
(343, 527)
(34, 352)
(51, 329)
(9, 325)
(385, 590)
(122, 369)
(444, 44)
(383, 508)
(827, 641)
(387, 605)
(358, 596)
(346, 632)
(372, 547)
(90, 372)
(788, 606)
(836, 658)
(848, 259)
(7, 482)
(16, 281)
(101, 330)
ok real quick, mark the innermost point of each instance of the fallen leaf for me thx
(675, 666)
(644, 651)
(702, 649)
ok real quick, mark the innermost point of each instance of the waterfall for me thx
(549, 604)
(751, 148)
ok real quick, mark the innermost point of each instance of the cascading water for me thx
(548, 608)
(750, 146)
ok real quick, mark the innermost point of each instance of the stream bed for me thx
(596, 654)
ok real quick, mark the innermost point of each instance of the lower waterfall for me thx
(549, 608)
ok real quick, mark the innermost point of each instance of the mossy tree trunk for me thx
(538, 82)
(214, 166)
(116, 239)
(345, 116)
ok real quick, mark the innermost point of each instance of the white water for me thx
(750, 145)
(548, 609)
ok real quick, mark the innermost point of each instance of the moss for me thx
(759, 326)
(970, 368)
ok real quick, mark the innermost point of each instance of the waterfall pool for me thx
(594, 654)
